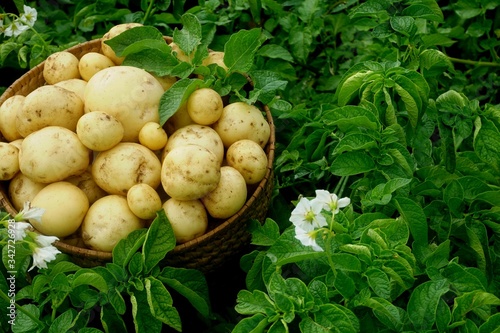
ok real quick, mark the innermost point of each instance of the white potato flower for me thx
(308, 238)
(307, 215)
(331, 202)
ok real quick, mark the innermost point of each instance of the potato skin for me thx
(190, 172)
(22, 189)
(108, 221)
(49, 105)
(239, 121)
(60, 66)
(75, 85)
(188, 218)
(8, 115)
(249, 159)
(9, 163)
(91, 63)
(143, 201)
(118, 169)
(153, 136)
(229, 195)
(113, 32)
(205, 106)
(129, 94)
(99, 131)
(52, 154)
(65, 207)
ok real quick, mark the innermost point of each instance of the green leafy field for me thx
(392, 104)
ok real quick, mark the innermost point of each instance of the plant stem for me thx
(475, 63)
(23, 310)
(148, 11)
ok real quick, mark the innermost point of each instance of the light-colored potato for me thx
(215, 57)
(118, 169)
(75, 85)
(9, 163)
(229, 195)
(60, 66)
(195, 134)
(113, 32)
(176, 50)
(249, 159)
(188, 218)
(49, 105)
(239, 121)
(143, 201)
(99, 131)
(108, 221)
(91, 63)
(166, 81)
(65, 207)
(52, 154)
(178, 120)
(153, 136)
(8, 115)
(190, 172)
(204, 106)
(17, 143)
(87, 184)
(129, 94)
(22, 189)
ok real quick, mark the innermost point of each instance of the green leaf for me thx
(288, 249)
(191, 284)
(160, 239)
(126, 248)
(248, 303)
(426, 9)
(25, 323)
(240, 49)
(177, 95)
(337, 318)
(350, 117)
(160, 303)
(309, 325)
(128, 37)
(477, 301)
(414, 215)
(404, 25)
(63, 323)
(355, 141)
(461, 278)
(275, 51)
(378, 282)
(144, 321)
(352, 163)
(264, 234)
(90, 278)
(350, 86)
(190, 36)
(301, 39)
(443, 316)
(423, 303)
(491, 325)
(344, 284)
(254, 324)
(390, 315)
(487, 142)
(111, 320)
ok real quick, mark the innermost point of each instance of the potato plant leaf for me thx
(126, 248)
(160, 303)
(240, 49)
(128, 37)
(160, 239)
(189, 37)
(423, 303)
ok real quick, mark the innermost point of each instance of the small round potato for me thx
(91, 63)
(8, 115)
(118, 169)
(190, 172)
(143, 201)
(52, 154)
(113, 32)
(188, 218)
(60, 66)
(229, 195)
(99, 131)
(87, 184)
(239, 121)
(204, 136)
(22, 189)
(178, 120)
(215, 57)
(108, 221)
(204, 106)
(9, 163)
(65, 207)
(75, 85)
(130, 94)
(153, 136)
(49, 105)
(249, 159)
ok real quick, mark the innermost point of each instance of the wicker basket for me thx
(222, 241)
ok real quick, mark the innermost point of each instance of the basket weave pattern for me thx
(222, 241)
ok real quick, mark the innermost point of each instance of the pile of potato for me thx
(88, 148)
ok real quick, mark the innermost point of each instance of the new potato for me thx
(143, 201)
(204, 106)
(99, 131)
(9, 163)
(75, 85)
(93, 62)
(22, 189)
(249, 159)
(113, 32)
(153, 136)
(8, 115)
(60, 66)
(188, 218)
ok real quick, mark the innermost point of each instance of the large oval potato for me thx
(52, 154)
(239, 121)
(204, 106)
(92, 62)
(60, 66)
(229, 195)
(8, 114)
(108, 221)
(195, 134)
(65, 207)
(143, 201)
(9, 163)
(113, 32)
(188, 218)
(129, 94)
(248, 157)
(118, 169)
(75, 85)
(190, 172)
(49, 105)
(87, 184)
(99, 131)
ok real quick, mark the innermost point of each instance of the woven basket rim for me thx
(107, 256)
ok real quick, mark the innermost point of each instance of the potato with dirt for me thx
(129, 94)
(9, 163)
(99, 131)
(205, 106)
(153, 136)
(144, 201)
(8, 114)
(113, 32)
(93, 62)
(60, 66)
(249, 159)
(188, 218)
(22, 189)
(52, 154)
